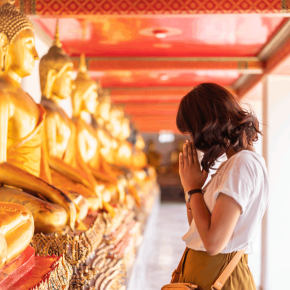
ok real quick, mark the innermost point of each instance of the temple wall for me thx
(277, 155)
(254, 101)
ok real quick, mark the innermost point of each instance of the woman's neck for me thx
(232, 151)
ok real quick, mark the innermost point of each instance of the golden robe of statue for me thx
(23, 165)
(84, 101)
(67, 173)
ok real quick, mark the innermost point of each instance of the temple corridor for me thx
(162, 247)
(111, 113)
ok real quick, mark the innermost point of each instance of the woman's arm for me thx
(189, 215)
(215, 230)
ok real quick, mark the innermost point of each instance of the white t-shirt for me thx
(244, 178)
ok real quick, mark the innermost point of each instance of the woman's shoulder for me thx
(247, 164)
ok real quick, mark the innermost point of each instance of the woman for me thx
(224, 216)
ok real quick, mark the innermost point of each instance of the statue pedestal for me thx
(14, 271)
(50, 272)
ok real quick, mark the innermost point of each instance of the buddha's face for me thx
(90, 102)
(4, 45)
(22, 53)
(104, 110)
(63, 84)
(140, 143)
(126, 130)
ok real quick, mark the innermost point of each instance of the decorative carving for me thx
(76, 248)
(58, 278)
(149, 7)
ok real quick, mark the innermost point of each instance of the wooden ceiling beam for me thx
(245, 65)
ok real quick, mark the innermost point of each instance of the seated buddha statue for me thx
(107, 143)
(153, 156)
(139, 156)
(24, 172)
(84, 102)
(120, 153)
(67, 174)
(16, 231)
(119, 127)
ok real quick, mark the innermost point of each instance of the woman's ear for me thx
(4, 46)
(50, 79)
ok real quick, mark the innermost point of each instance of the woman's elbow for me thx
(213, 250)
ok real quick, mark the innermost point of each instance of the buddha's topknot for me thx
(13, 21)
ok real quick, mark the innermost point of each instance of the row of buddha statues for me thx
(61, 175)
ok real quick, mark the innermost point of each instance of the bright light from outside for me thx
(166, 136)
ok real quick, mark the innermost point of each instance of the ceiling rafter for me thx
(246, 65)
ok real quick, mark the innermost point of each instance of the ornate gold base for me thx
(48, 273)
(79, 249)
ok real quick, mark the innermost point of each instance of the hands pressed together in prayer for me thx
(192, 177)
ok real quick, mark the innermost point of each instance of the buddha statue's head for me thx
(55, 70)
(116, 117)
(17, 43)
(84, 96)
(140, 143)
(126, 128)
(151, 145)
(4, 46)
(104, 107)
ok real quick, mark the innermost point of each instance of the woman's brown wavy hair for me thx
(216, 122)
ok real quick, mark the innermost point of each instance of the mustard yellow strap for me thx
(221, 280)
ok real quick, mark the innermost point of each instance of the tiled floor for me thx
(161, 249)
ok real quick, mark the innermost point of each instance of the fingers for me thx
(185, 154)
(190, 156)
(181, 163)
(194, 154)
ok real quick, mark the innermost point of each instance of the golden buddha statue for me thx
(84, 101)
(174, 158)
(16, 231)
(153, 156)
(103, 127)
(23, 165)
(120, 152)
(139, 156)
(56, 81)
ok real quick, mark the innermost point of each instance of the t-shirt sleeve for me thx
(238, 182)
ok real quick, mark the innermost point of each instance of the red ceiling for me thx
(199, 35)
(155, 78)
(283, 68)
(151, 92)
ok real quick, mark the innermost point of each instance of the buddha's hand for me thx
(192, 177)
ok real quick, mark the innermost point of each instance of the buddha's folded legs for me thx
(16, 231)
(19, 239)
(3, 251)
(48, 217)
(62, 182)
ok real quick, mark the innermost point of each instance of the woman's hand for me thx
(189, 168)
